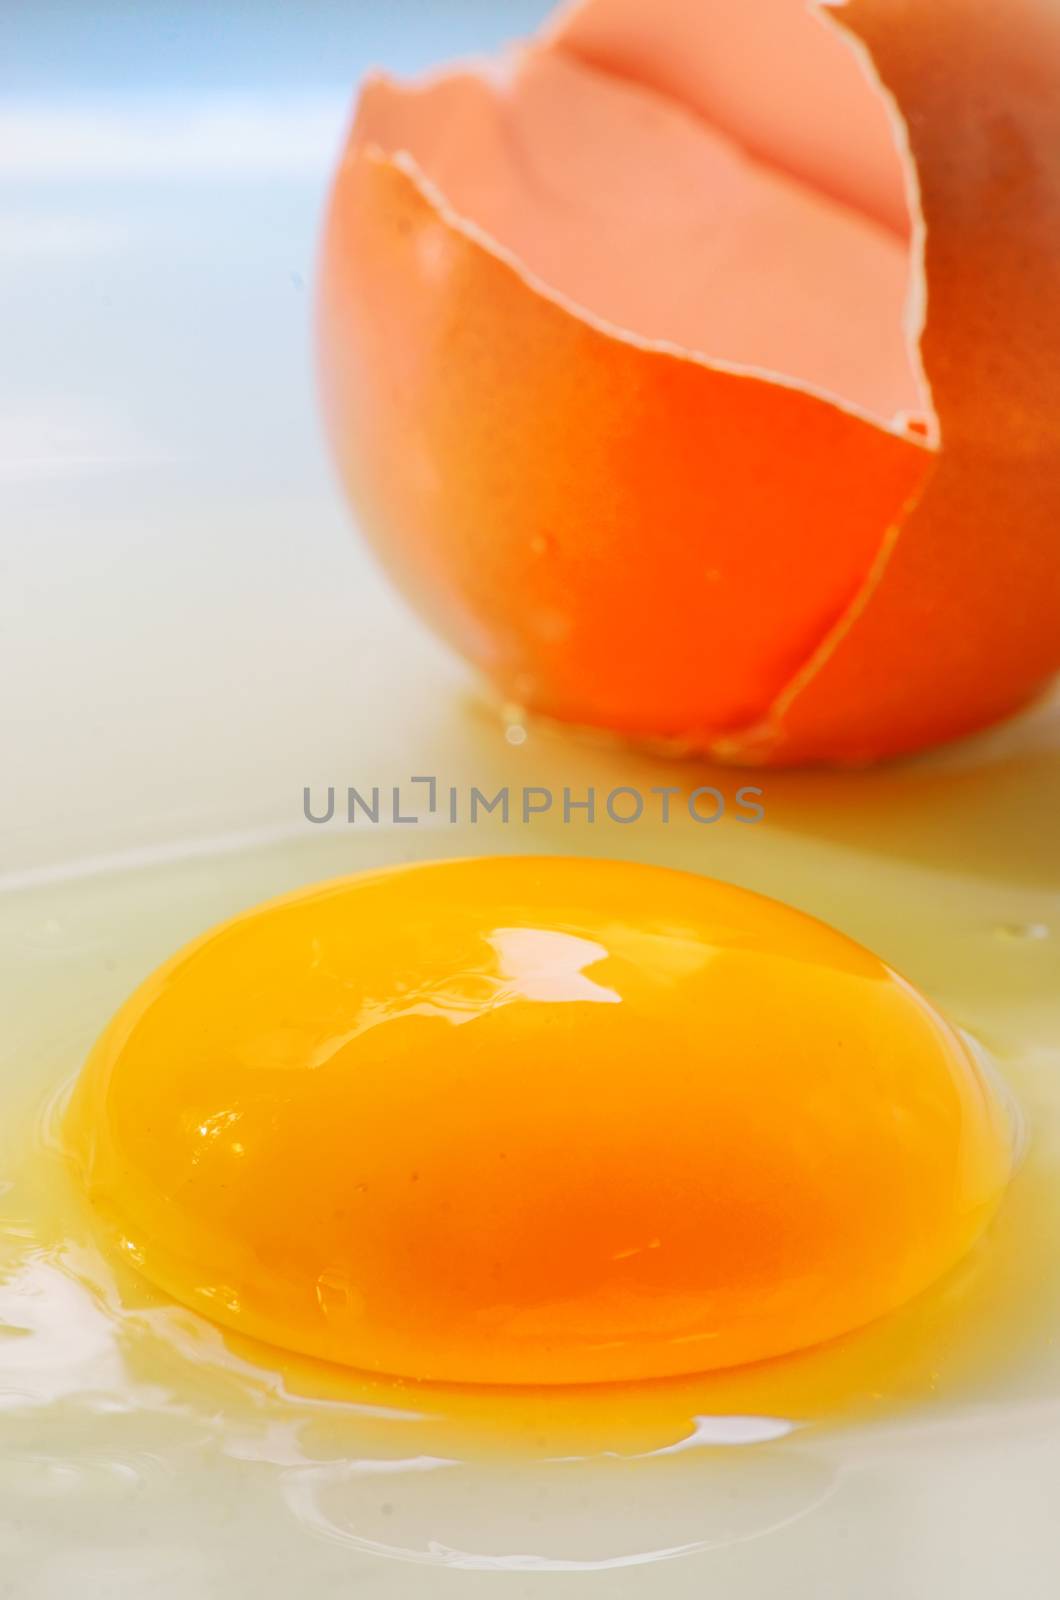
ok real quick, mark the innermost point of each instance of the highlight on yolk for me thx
(536, 1121)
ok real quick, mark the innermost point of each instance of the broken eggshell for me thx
(692, 368)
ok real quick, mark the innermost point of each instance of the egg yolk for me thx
(536, 1121)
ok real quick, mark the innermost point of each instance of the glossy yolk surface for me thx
(536, 1121)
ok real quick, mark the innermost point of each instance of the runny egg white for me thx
(140, 1401)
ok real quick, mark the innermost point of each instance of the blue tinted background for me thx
(79, 46)
(189, 625)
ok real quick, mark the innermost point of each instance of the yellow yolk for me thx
(536, 1121)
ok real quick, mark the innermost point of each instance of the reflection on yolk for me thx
(536, 1121)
